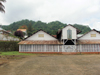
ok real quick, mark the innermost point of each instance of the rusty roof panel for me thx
(21, 29)
(39, 42)
(54, 36)
(88, 42)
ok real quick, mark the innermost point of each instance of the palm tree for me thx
(2, 6)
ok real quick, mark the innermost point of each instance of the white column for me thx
(63, 46)
(75, 45)
(80, 48)
(45, 48)
(40, 48)
(93, 47)
(52, 48)
(75, 41)
(58, 48)
(98, 47)
(87, 48)
(23, 47)
(31, 48)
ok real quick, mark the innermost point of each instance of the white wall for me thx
(88, 36)
(40, 48)
(46, 36)
(64, 32)
(8, 38)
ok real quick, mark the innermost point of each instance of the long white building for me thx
(65, 42)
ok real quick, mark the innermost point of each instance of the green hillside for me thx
(51, 27)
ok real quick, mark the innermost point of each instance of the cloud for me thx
(96, 25)
(66, 11)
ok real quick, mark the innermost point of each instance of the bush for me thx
(19, 34)
(9, 46)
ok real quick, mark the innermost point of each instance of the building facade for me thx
(65, 42)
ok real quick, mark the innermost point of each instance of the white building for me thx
(5, 36)
(2, 31)
(66, 41)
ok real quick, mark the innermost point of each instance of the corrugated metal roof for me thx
(54, 36)
(88, 42)
(40, 42)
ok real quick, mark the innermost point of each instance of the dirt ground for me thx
(50, 65)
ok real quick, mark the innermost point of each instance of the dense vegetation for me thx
(9, 46)
(51, 27)
(19, 34)
(14, 53)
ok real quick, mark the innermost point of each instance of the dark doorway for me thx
(69, 42)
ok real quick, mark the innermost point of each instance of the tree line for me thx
(51, 27)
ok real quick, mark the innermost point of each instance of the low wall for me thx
(43, 52)
(80, 53)
(67, 53)
(9, 45)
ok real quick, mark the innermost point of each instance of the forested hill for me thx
(51, 27)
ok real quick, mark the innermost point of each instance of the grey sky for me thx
(85, 12)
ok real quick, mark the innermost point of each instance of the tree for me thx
(30, 29)
(2, 6)
(19, 34)
(23, 27)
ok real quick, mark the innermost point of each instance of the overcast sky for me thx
(86, 12)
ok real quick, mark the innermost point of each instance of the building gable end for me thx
(41, 35)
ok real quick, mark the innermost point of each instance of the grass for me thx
(14, 53)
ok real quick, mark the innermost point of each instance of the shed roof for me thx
(23, 30)
(54, 36)
(40, 42)
(88, 41)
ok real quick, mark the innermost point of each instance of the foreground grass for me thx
(14, 53)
